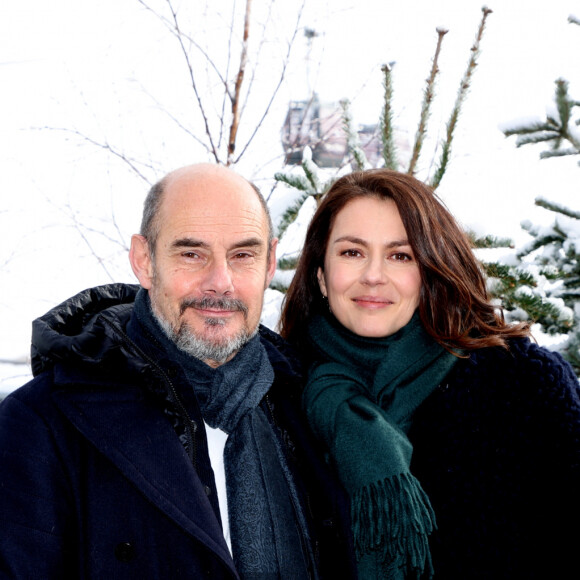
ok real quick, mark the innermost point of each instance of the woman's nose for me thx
(375, 272)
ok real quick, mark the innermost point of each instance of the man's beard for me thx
(219, 351)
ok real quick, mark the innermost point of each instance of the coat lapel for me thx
(138, 439)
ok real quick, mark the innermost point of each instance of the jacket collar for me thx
(140, 442)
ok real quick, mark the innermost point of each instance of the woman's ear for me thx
(141, 260)
(321, 282)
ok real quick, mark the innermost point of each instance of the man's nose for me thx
(218, 278)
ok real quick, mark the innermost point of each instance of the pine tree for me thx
(552, 257)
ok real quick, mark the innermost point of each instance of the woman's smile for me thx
(371, 302)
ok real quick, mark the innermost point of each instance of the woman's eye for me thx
(350, 253)
(402, 257)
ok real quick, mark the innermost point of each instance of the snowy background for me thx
(79, 72)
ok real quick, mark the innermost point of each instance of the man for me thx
(161, 436)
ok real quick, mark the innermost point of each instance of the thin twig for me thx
(178, 32)
(180, 36)
(175, 119)
(107, 147)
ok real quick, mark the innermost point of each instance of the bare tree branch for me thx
(80, 228)
(178, 32)
(132, 163)
(279, 84)
(180, 36)
(221, 104)
(227, 97)
(176, 120)
(238, 85)
(257, 56)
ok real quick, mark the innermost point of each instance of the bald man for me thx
(161, 436)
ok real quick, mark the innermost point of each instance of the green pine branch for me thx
(311, 172)
(539, 242)
(506, 286)
(509, 277)
(553, 131)
(464, 86)
(428, 96)
(556, 207)
(359, 158)
(387, 125)
(572, 352)
(563, 103)
(539, 137)
(290, 214)
(295, 181)
(531, 127)
(490, 241)
(559, 153)
(287, 263)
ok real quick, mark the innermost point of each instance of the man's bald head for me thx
(194, 175)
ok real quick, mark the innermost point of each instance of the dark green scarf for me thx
(360, 399)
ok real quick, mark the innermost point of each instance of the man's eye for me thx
(190, 255)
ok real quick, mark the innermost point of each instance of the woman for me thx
(456, 438)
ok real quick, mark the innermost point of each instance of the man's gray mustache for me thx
(225, 304)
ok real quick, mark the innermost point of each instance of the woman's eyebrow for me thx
(362, 242)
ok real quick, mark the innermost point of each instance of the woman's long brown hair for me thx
(454, 305)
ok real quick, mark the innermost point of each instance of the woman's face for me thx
(370, 275)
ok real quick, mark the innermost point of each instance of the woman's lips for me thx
(372, 301)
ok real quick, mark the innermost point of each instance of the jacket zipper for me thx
(190, 425)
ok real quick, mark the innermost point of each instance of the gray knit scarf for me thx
(268, 529)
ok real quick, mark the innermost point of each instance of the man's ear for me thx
(271, 262)
(141, 260)
(322, 282)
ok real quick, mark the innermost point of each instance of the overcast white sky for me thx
(99, 66)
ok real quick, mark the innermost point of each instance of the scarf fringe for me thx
(394, 516)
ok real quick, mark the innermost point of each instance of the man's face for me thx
(211, 263)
